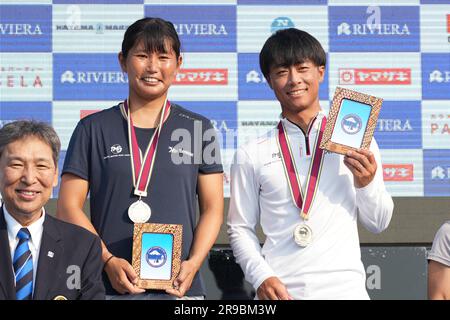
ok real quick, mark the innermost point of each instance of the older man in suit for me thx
(40, 257)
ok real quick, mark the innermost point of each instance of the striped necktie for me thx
(23, 266)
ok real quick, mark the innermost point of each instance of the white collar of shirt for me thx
(292, 128)
(36, 228)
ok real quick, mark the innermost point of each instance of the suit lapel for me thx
(50, 256)
(6, 274)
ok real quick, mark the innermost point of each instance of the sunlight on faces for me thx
(27, 177)
(296, 86)
(150, 74)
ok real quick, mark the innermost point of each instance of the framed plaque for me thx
(351, 121)
(157, 254)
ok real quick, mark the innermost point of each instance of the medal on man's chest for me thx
(303, 234)
(303, 200)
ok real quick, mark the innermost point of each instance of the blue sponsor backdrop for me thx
(223, 116)
(397, 129)
(253, 85)
(88, 77)
(251, 82)
(436, 167)
(36, 110)
(201, 28)
(436, 76)
(25, 28)
(358, 29)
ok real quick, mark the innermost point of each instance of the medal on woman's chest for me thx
(142, 167)
(139, 212)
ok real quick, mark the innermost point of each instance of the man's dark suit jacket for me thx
(66, 249)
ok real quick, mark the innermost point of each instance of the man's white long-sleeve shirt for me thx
(330, 266)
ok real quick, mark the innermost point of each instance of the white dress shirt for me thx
(35, 229)
(330, 266)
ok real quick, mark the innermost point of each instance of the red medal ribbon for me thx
(142, 169)
(292, 176)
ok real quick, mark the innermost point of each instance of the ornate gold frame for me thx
(339, 95)
(177, 231)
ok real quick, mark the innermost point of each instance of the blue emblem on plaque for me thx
(156, 257)
(351, 124)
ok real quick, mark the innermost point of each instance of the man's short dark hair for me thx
(21, 129)
(289, 47)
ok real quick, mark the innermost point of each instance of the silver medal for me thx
(139, 212)
(302, 235)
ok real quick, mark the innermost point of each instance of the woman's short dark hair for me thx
(154, 33)
(288, 47)
(21, 129)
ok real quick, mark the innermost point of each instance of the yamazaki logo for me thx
(202, 77)
(378, 76)
(448, 23)
(398, 172)
(85, 113)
